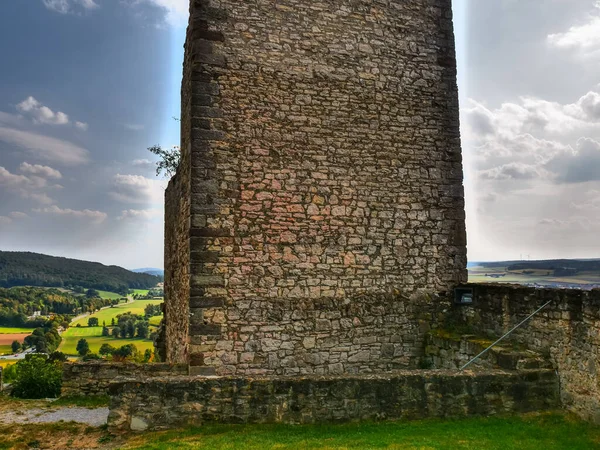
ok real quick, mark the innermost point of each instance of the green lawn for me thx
(532, 432)
(105, 315)
(11, 330)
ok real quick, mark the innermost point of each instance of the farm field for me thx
(14, 330)
(105, 315)
(8, 335)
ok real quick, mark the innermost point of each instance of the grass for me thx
(548, 431)
(105, 315)
(531, 432)
(14, 330)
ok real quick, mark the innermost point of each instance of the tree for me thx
(106, 349)
(112, 322)
(93, 322)
(126, 351)
(148, 355)
(92, 293)
(130, 329)
(16, 346)
(116, 332)
(37, 377)
(142, 329)
(83, 348)
(169, 160)
(105, 331)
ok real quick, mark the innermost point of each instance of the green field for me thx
(12, 330)
(105, 315)
(155, 320)
(5, 350)
(69, 343)
(93, 335)
(109, 295)
(140, 291)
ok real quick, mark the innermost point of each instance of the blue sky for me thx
(87, 85)
(83, 93)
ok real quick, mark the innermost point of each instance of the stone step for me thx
(447, 351)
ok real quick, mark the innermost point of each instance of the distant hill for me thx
(550, 264)
(34, 269)
(151, 271)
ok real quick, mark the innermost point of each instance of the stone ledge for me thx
(169, 402)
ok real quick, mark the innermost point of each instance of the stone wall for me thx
(325, 166)
(567, 332)
(170, 402)
(94, 377)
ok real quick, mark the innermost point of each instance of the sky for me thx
(93, 83)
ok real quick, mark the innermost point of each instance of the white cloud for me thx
(137, 189)
(41, 114)
(37, 169)
(82, 125)
(18, 215)
(515, 171)
(33, 184)
(580, 165)
(584, 37)
(87, 214)
(45, 148)
(177, 11)
(141, 214)
(66, 6)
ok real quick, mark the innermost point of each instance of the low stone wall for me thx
(93, 377)
(161, 403)
(567, 332)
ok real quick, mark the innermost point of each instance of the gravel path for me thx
(93, 417)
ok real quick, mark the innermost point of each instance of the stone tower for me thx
(318, 207)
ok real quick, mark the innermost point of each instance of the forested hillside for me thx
(34, 269)
(18, 303)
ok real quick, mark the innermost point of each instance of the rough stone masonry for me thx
(318, 208)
